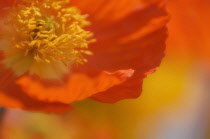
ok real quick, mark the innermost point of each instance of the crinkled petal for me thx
(12, 96)
(21, 101)
(105, 13)
(77, 87)
(128, 90)
(131, 43)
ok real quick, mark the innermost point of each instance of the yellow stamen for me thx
(47, 32)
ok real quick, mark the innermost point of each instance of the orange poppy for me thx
(53, 54)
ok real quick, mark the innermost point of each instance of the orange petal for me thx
(101, 10)
(79, 86)
(6, 3)
(3, 6)
(21, 101)
(128, 90)
(12, 96)
(137, 42)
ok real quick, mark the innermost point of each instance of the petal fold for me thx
(137, 41)
(12, 96)
(128, 90)
(77, 87)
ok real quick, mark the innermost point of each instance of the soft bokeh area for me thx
(174, 103)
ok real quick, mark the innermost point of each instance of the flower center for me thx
(45, 38)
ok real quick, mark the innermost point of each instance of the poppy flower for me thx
(56, 52)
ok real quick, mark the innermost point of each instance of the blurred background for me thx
(174, 103)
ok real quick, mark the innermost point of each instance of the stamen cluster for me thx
(49, 31)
